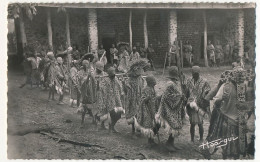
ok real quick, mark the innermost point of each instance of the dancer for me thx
(133, 90)
(74, 84)
(112, 105)
(171, 111)
(62, 77)
(145, 120)
(197, 88)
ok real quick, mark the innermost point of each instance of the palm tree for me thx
(17, 10)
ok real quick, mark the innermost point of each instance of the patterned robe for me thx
(224, 120)
(101, 92)
(111, 96)
(88, 87)
(197, 91)
(61, 76)
(146, 113)
(74, 83)
(170, 113)
(133, 93)
(51, 73)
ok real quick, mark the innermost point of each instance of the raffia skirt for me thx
(222, 127)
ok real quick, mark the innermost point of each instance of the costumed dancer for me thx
(171, 113)
(51, 75)
(133, 90)
(145, 120)
(61, 79)
(88, 91)
(101, 93)
(74, 84)
(197, 106)
(35, 74)
(112, 105)
(231, 106)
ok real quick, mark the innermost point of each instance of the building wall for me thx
(114, 23)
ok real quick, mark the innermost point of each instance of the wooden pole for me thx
(22, 30)
(68, 29)
(49, 28)
(130, 30)
(205, 38)
(181, 54)
(145, 30)
(178, 55)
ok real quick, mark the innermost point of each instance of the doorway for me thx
(107, 44)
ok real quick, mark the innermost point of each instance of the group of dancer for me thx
(105, 95)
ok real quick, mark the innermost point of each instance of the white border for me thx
(3, 62)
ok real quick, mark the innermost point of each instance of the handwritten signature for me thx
(218, 143)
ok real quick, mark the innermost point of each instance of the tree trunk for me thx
(68, 29)
(145, 31)
(49, 28)
(241, 32)
(130, 30)
(22, 30)
(93, 30)
(205, 39)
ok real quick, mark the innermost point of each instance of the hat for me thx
(85, 62)
(141, 64)
(111, 71)
(195, 69)
(173, 72)
(100, 66)
(59, 59)
(150, 80)
(134, 48)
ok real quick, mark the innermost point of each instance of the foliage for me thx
(15, 9)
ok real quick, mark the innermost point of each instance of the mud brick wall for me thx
(250, 25)
(114, 23)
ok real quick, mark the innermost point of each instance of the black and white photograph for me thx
(131, 81)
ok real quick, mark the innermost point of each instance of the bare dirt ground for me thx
(27, 108)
